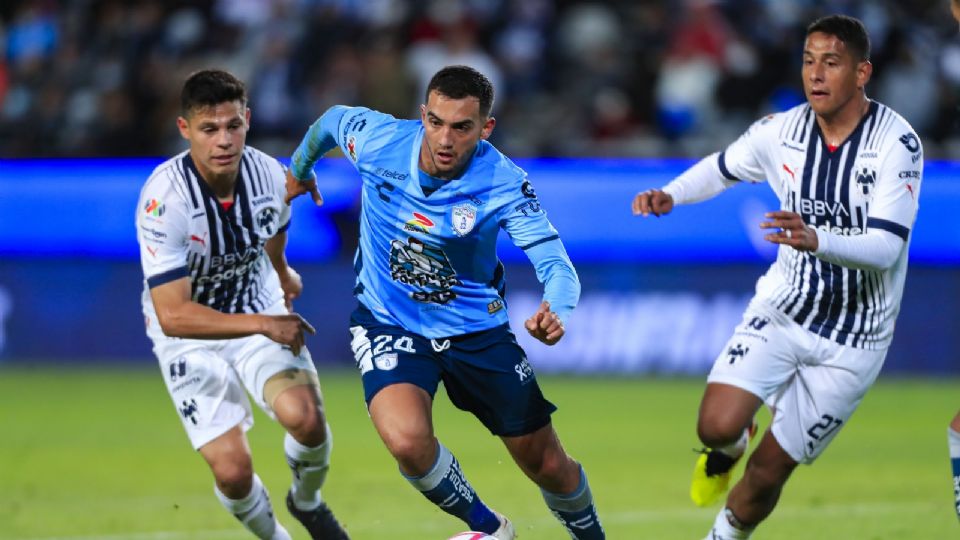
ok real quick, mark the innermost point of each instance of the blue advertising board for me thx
(659, 295)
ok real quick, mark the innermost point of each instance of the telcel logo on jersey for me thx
(419, 224)
(154, 208)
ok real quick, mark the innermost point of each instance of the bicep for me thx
(170, 296)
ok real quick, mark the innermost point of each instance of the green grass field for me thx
(100, 454)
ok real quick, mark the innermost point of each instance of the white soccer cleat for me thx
(506, 530)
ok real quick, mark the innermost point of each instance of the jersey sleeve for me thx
(162, 233)
(526, 223)
(354, 129)
(894, 203)
(743, 158)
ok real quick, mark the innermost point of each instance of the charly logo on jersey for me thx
(866, 178)
(464, 218)
(267, 221)
(419, 224)
(415, 263)
(154, 208)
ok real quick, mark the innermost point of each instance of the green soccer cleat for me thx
(711, 474)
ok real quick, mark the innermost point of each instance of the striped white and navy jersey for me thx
(871, 181)
(184, 231)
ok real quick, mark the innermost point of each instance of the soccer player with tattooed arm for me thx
(430, 287)
(847, 171)
(211, 223)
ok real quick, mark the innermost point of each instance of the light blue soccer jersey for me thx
(429, 263)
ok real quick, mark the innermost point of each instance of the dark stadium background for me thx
(598, 100)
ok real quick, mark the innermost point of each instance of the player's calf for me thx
(576, 511)
(446, 486)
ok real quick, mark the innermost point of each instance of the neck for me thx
(839, 125)
(221, 185)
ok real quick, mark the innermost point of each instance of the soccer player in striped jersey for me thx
(953, 430)
(430, 289)
(847, 171)
(211, 223)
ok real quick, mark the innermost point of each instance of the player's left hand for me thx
(292, 286)
(545, 325)
(297, 187)
(793, 231)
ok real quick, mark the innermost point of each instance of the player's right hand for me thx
(297, 187)
(652, 201)
(288, 330)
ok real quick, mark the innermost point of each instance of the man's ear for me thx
(488, 128)
(864, 71)
(184, 127)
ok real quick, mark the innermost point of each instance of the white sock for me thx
(737, 449)
(255, 512)
(309, 467)
(953, 438)
(724, 530)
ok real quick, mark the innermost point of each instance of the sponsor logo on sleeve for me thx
(154, 208)
(352, 147)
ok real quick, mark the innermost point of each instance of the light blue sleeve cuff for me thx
(561, 286)
(320, 139)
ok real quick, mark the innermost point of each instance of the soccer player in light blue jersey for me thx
(430, 290)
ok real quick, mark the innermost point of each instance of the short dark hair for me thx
(458, 82)
(847, 29)
(210, 87)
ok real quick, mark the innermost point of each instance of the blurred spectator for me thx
(575, 77)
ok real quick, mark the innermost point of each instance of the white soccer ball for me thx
(471, 535)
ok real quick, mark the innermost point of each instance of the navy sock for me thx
(446, 486)
(576, 511)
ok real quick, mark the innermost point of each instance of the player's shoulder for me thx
(167, 177)
(262, 159)
(778, 124)
(488, 160)
(896, 133)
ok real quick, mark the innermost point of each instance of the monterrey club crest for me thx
(464, 218)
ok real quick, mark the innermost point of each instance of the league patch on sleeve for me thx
(154, 208)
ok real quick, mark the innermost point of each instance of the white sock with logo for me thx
(255, 512)
(309, 467)
(723, 529)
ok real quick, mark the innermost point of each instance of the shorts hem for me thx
(739, 383)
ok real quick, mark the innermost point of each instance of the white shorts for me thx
(206, 378)
(811, 383)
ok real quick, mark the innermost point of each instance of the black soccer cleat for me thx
(319, 522)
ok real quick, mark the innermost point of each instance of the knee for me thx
(765, 478)
(414, 452)
(305, 421)
(234, 477)
(718, 428)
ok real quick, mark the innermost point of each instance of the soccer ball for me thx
(471, 535)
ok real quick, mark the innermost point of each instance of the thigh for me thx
(256, 359)
(207, 394)
(487, 374)
(763, 353)
(387, 355)
(812, 409)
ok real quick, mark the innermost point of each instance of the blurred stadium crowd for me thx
(574, 78)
